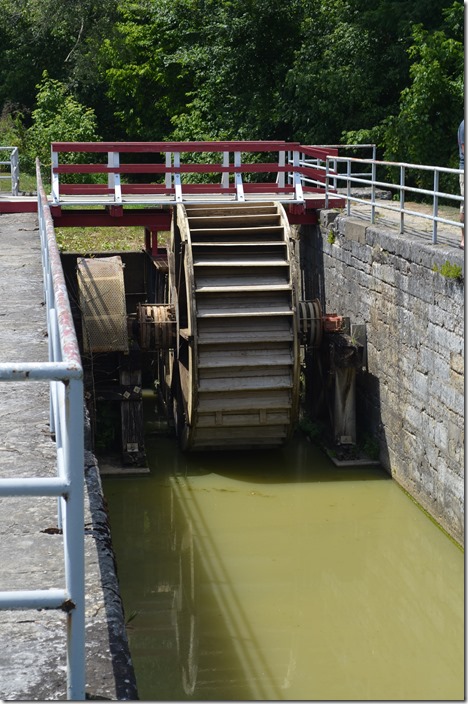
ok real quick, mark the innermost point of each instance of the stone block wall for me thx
(412, 395)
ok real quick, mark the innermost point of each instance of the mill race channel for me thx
(276, 575)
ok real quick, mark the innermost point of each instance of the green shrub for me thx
(58, 117)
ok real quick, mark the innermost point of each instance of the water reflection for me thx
(275, 575)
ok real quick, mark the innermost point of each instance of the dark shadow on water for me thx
(297, 461)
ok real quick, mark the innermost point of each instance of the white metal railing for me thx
(339, 170)
(12, 163)
(317, 162)
(65, 374)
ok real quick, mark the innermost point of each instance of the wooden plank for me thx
(270, 399)
(239, 243)
(276, 253)
(248, 208)
(251, 337)
(243, 221)
(275, 432)
(242, 288)
(195, 146)
(262, 303)
(253, 233)
(245, 330)
(230, 262)
(256, 418)
(212, 313)
(282, 373)
(241, 325)
(237, 276)
(221, 359)
(245, 383)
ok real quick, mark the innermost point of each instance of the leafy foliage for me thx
(318, 71)
(423, 128)
(431, 107)
(449, 271)
(57, 117)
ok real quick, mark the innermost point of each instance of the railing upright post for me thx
(373, 178)
(74, 539)
(225, 174)
(335, 169)
(177, 180)
(327, 176)
(168, 175)
(402, 199)
(435, 206)
(298, 192)
(55, 177)
(238, 178)
(281, 162)
(14, 172)
(113, 161)
(348, 186)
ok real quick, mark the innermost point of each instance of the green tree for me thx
(58, 116)
(330, 85)
(423, 127)
(58, 37)
(351, 64)
(146, 83)
(197, 69)
(431, 108)
(318, 71)
(11, 127)
(239, 65)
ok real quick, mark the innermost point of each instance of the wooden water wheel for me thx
(234, 368)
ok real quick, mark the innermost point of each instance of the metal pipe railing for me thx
(13, 168)
(65, 374)
(400, 186)
(343, 147)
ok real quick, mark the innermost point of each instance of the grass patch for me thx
(27, 183)
(104, 239)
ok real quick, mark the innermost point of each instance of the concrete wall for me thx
(412, 395)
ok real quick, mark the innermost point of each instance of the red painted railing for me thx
(283, 178)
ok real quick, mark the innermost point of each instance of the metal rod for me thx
(73, 532)
(34, 486)
(34, 599)
(435, 206)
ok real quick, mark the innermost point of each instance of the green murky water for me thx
(275, 575)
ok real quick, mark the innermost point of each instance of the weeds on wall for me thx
(449, 271)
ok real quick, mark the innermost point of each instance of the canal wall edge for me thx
(122, 683)
(411, 396)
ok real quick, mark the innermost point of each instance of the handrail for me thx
(13, 166)
(235, 159)
(300, 170)
(342, 148)
(65, 373)
(369, 180)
